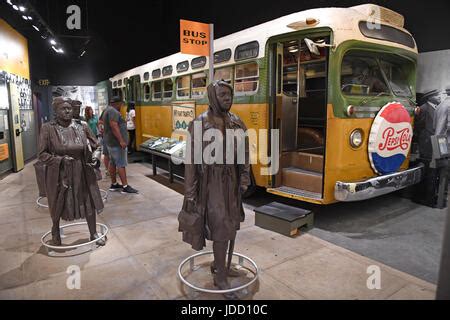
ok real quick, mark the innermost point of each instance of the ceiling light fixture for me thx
(22, 8)
(52, 41)
(15, 7)
(60, 50)
(25, 17)
(9, 2)
(35, 28)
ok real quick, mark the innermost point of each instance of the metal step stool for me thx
(283, 219)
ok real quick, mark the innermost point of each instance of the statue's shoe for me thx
(56, 241)
(100, 242)
(232, 272)
(224, 285)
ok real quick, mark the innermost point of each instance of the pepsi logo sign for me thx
(390, 138)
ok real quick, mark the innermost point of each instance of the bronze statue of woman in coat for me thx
(213, 191)
(70, 181)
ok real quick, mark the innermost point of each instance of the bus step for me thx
(294, 193)
(283, 219)
(302, 179)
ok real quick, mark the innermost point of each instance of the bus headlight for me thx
(356, 138)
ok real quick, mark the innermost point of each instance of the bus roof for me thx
(344, 22)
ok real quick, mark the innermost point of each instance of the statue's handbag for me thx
(190, 220)
(40, 170)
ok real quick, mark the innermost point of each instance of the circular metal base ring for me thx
(38, 202)
(104, 232)
(104, 194)
(241, 259)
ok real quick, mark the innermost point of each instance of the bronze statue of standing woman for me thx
(70, 181)
(212, 207)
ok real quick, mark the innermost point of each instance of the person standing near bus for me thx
(131, 127)
(91, 120)
(116, 140)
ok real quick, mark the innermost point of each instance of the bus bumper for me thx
(374, 187)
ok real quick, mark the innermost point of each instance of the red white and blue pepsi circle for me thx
(390, 138)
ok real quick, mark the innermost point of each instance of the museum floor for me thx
(144, 250)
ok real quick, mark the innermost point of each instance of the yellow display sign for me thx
(194, 38)
(4, 152)
(182, 115)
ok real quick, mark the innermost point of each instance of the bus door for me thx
(300, 115)
(133, 88)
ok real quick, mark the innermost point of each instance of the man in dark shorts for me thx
(115, 136)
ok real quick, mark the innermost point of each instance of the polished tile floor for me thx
(144, 250)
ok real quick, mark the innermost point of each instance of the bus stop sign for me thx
(390, 138)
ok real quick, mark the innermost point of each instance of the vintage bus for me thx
(329, 79)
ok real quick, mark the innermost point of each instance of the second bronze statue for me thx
(212, 207)
(70, 181)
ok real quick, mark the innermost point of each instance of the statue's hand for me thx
(69, 158)
(190, 205)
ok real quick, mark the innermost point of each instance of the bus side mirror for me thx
(313, 47)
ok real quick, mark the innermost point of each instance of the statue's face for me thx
(64, 112)
(224, 98)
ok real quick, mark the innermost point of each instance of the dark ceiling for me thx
(125, 34)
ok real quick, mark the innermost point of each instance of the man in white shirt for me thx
(131, 127)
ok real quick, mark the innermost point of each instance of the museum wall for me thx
(433, 71)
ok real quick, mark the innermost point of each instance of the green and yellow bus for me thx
(321, 77)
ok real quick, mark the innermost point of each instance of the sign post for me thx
(211, 53)
(198, 39)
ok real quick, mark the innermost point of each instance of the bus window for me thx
(224, 74)
(124, 94)
(156, 73)
(118, 93)
(290, 67)
(361, 76)
(246, 78)
(246, 51)
(183, 87)
(183, 66)
(146, 92)
(167, 71)
(168, 89)
(396, 76)
(222, 56)
(156, 90)
(198, 85)
(198, 62)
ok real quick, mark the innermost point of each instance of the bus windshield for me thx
(396, 77)
(369, 75)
